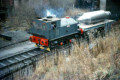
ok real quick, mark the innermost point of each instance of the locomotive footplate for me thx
(42, 47)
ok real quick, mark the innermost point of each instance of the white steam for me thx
(49, 13)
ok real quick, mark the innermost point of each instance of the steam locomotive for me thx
(51, 31)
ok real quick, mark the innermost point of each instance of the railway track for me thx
(9, 38)
(13, 63)
(19, 61)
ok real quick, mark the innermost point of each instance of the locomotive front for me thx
(41, 31)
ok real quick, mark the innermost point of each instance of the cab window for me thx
(41, 27)
(44, 27)
(35, 25)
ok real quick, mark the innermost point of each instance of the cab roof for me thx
(49, 19)
(67, 21)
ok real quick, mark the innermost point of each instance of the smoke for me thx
(56, 8)
(49, 13)
(55, 12)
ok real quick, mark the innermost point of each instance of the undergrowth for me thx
(101, 62)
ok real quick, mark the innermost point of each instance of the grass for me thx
(75, 11)
(102, 62)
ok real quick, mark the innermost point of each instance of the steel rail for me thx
(16, 62)
(9, 64)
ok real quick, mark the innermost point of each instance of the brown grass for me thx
(75, 11)
(99, 63)
(22, 18)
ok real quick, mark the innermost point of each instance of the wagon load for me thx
(94, 17)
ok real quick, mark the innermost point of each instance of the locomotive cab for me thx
(42, 29)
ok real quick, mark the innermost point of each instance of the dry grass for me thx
(102, 62)
(22, 18)
(75, 11)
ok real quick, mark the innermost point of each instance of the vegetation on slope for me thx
(101, 62)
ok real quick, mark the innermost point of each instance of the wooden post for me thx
(45, 59)
(68, 44)
(69, 48)
(56, 57)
